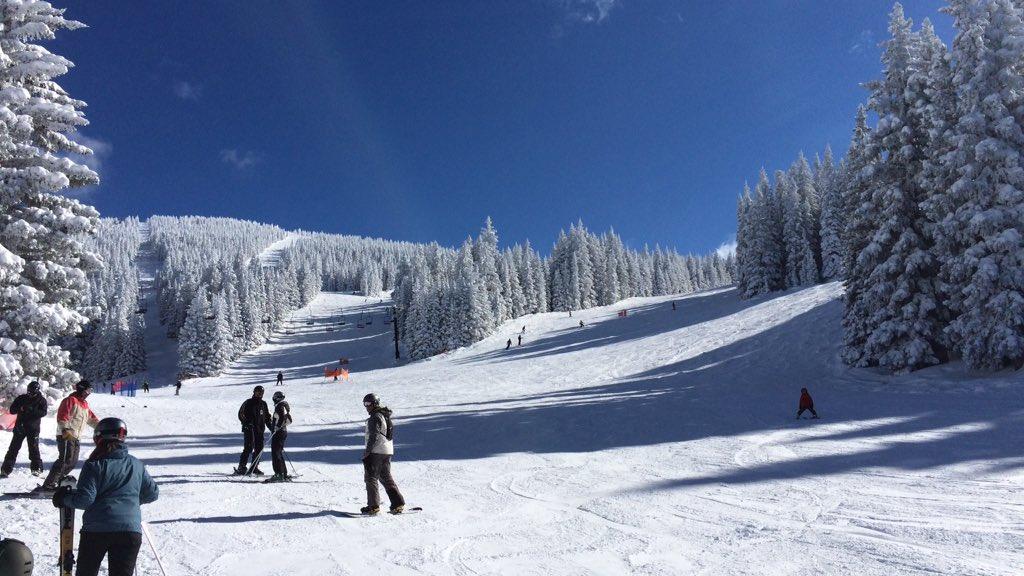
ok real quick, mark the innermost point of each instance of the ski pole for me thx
(294, 471)
(149, 538)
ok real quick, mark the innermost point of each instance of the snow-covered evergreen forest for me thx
(924, 216)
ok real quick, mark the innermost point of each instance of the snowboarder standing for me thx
(280, 378)
(377, 457)
(111, 490)
(281, 419)
(254, 416)
(30, 409)
(806, 403)
(508, 344)
(72, 414)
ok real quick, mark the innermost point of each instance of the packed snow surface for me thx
(659, 443)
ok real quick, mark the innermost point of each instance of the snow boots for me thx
(370, 510)
(278, 478)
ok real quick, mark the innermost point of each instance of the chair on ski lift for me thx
(329, 329)
(211, 317)
(360, 325)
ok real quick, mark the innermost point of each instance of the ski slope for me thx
(659, 443)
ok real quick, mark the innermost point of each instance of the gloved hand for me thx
(58, 496)
(67, 435)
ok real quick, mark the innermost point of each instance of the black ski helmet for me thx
(257, 390)
(33, 386)
(83, 385)
(371, 399)
(15, 558)
(110, 429)
(278, 396)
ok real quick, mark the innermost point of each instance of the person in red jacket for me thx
(72, 414)
(806, 403)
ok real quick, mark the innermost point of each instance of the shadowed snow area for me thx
(659, 443)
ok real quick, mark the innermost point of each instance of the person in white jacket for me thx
(379, 449)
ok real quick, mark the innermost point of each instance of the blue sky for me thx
(415, 120)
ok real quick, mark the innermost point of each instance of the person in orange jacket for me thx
(806, 403)
(72, 414)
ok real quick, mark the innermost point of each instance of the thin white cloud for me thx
(866, 41)
(727, 248)
(187, 90)
(589, 11)
(239, 159)
(101, 150)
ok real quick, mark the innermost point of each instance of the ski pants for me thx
(377, 468)
(120, 548)
(277, 451)
(67, 458)
(253, 445)
(20, 436)
(801, 411)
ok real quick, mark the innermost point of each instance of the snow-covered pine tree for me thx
(44, 263)
(894, 322)
(833, 219)
(982, 232)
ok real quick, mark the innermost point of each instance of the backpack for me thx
(389, 427)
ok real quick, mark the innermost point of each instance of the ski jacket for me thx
(282, 416)
(379, 433)
(805, 401)
(72, 414)
(111, 490)
(254, 412)
(30, 409)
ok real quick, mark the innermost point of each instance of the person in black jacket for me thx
(281, 419)
(30, 408)
(255, 418)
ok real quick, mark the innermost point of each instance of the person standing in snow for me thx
(280, 378)
(30, 409)
(377, 455)
(145, 386)
(112, 489)
(581, 323)
(72, 414)
(255, 417)
(508, 344)
(279, 433)
(177, 388)
(806, 403)
(520, 340)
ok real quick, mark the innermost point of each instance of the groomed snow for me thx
(660, 443)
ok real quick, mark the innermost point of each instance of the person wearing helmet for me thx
(72, 414)
(15, 558)
(112, 489)
(279, 426)
(377, 457)
(30, 409)
(255, 418)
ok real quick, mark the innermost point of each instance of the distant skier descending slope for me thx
(377, 457)
(113, 486)
(254, 416)
(30, 409)
(806, 403)
(280, 378)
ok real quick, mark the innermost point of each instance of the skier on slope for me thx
(145, 386)
(177, 388)
(254, 416)
(72, 414)
(520, 340)
(806, 403)
(508, 344)
(111, 490)
(30, 409)
(377, 457)
(281, 419)
(280, 378)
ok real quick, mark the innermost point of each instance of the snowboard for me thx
(414, 510)
(67, 533)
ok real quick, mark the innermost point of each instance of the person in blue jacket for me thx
(111, 489)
